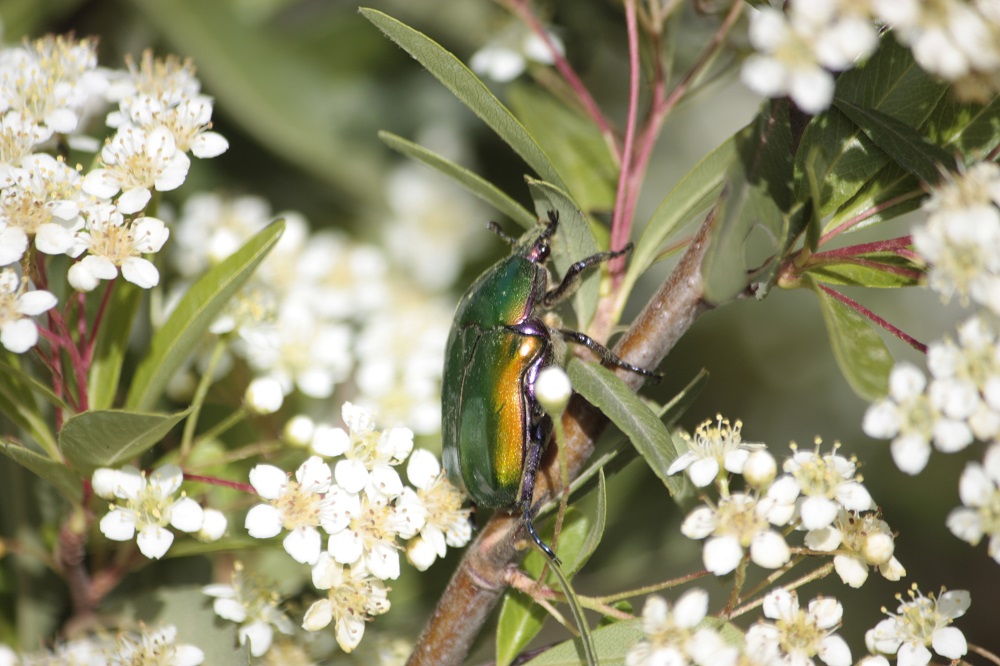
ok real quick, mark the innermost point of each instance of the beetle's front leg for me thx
(571, 279)
(532, 460)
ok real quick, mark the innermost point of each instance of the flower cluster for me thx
(799, 50)
(364, 510)
(320, 309)
(919, 624)
(148, 646)
(819, 493)
(253, 604)
(958, 401)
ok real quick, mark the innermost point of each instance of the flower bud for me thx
(553, 389)
(264, 396)
(760, 469)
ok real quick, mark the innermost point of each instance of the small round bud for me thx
(264, 396)
(760, 469)
(299, 431)
(104, 481)
(878, 548)
(553, 389)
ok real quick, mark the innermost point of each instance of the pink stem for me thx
(620, 226)
(888, 245)
(211, 480)
(857, 307)
(89, 349)
(857, 219)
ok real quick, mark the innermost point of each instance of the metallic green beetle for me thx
(493, 428)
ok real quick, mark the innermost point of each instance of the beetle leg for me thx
(531, 462)
(607, 355)
(571, 279)
(495, 228)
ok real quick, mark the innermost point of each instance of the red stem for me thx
(214, 481)
(854, 305)
(621, 226)
(88, 351)
(888, 245)
(861, 217)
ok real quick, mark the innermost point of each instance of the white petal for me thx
(812, 89)
(263, 521)
(13, 243)
(351, 475)
(19, 335)
(834, 651)
(318, 616)
(824, 539)
(954, 603)
(260, 635)
(420, 553)
(129, 483)
(214, 525)
(383, 561)
(140, 272)
(167, 479)
(101, 184)
(314, 475)
(174, 174)
(854, 496)
(345, 547)
(154, 541)
(703, 472)
(826, 611)
(974, 486)
(912, 654)
(817, 512)
(230, 609)
(423, 468)
(699, 523)
(910, 453)
(721, 555)
(209, 144)
(133, 200)
(303, 544)
(690, 608)
(852, 570)
(330, 442)
(103, 482)
(269, 481)
(769, 550)
(780, 604)
(187, 515)
(53, 239)
(118, 525)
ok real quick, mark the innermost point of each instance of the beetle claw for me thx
(538, 540)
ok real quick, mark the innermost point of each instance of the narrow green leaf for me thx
(573, 241)
(112, 343)
(575, 144)
(31, 383)
(596, 532)
(17, 403)
(473, 182)
(192, 316)
(467, 87)
(861, 354)
(904, 144)
(586, 639)
(611, 643)
(602, 388)
(65, 480)
(520, 618)
(112, 437)
(883, 272)
(759, 195)
(692, 195)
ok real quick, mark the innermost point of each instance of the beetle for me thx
(494, 430)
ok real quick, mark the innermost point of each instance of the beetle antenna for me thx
(498, 230)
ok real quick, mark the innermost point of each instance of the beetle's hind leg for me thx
(571, 279)
(531, 463)
(607, 355)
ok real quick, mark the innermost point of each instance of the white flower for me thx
(264, 396)
(713, 448)
(189, 121)
(671, 636)
(978, 488)
(39, 202)
(111, 243)
(301, 505)
(168, 80)
(447, 523)
(253, 604)
(354, 598)
(18, 333)
(786, 62)
(18, 137)
(370, 537)
(370, 454)
(858, 541)
(739, 521)
(800, 634)
(507, 55)
(147, 507)
(155, 647)
(211, 228)
(920, 623)
(826, 483)
(136, 161)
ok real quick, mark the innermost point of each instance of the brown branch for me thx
(478, 582)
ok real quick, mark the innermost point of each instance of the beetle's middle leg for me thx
(531, 463)
(571, 279)
(606, 354)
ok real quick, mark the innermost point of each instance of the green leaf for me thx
(891, 83)
(596, 532)
(604, 390)
(861, 354)
(521, 618)
(611, 642)
(575, 145)
(112, 437)
(473, 182)
(17, 403)
(573, 241)
(885, 271)
(904, 144)
(693, 194)
(12, 371)
(759, 195)
(63, 478)
(467, 87)
(112, 343)
(192, 316)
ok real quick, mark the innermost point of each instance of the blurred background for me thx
(301, 89)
